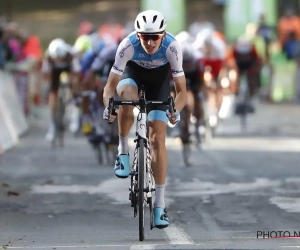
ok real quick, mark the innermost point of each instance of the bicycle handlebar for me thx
(140, 102)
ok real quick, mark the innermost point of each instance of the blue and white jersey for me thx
(131, 49)
(107, 54)
(95, 60)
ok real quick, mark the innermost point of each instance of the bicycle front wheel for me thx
(141, 176)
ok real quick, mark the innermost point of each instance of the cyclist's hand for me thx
(111, 118)
(176, 117)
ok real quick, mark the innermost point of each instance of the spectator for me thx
(85, 28)
(30, 46)
(266, 32)
(12, 42)
(2, 52)
(111, 30)
(292, 47)
(129, 26)
(288, 23)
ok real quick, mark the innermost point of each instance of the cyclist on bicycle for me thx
(193, 69)
(145, 58)
(213, 49)
(248, 62)
(59, 58)
(96, 61)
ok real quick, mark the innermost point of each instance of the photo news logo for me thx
(277, 234)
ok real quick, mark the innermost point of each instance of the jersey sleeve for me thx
(46, 67)
(174, 56)
(105, 55)
(76, 68)
(87, 60)
(124, 53)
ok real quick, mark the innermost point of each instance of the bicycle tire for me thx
(141, 176)
(151, 213)
(59, 124)
(60, 120)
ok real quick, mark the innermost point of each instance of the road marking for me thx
(289, 204)
(142, 247)
(177, 236)
(114, 188)
(52, 247)
(133, 247)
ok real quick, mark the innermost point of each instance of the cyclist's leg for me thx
(87, 120)
(52, 102)
(127, 89)
(157, 136)
(196, 84)
(159, 164)
(74, 80)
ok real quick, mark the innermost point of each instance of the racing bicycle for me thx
(142, 183)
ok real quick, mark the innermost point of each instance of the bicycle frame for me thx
(141, 174)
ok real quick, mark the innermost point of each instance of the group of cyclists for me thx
(100, 66)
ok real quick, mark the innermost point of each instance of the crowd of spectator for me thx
(18, 46)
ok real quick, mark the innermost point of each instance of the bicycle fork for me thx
(150, 184)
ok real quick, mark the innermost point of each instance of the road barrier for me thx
(13, 123)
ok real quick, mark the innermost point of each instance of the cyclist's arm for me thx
(124, 54)
(174, 56)
(110, 87)
(181, 95)
(46, 69)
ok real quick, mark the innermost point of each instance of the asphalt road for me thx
(240, 183)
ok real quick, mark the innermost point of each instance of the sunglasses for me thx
(153, 37)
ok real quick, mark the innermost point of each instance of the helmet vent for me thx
(161, 24)
(154, 18)
(137, 23)
(144, 19)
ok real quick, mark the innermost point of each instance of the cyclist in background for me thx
(213, 49)
(193, 70)
(145, 58)
(58, 58)
(248, 61)
(97, 61)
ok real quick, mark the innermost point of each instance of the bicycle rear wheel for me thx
(141, 183)
(59, 122)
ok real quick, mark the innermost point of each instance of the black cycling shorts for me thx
(156, 82)
(55, 77)
(193, 81)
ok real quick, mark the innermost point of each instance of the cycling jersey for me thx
(107, 54)
(69, 63)
(245, 60)
(215, 57)
(130, 49)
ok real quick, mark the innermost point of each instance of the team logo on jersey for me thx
(116, 68)
(174, 71)
(122, 52)
(174, 50)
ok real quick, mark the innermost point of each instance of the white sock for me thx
(159, 196)
(123, 147)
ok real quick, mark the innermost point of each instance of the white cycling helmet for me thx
(205, 36)
(150, 21)
(58, 48)
(183, 37)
